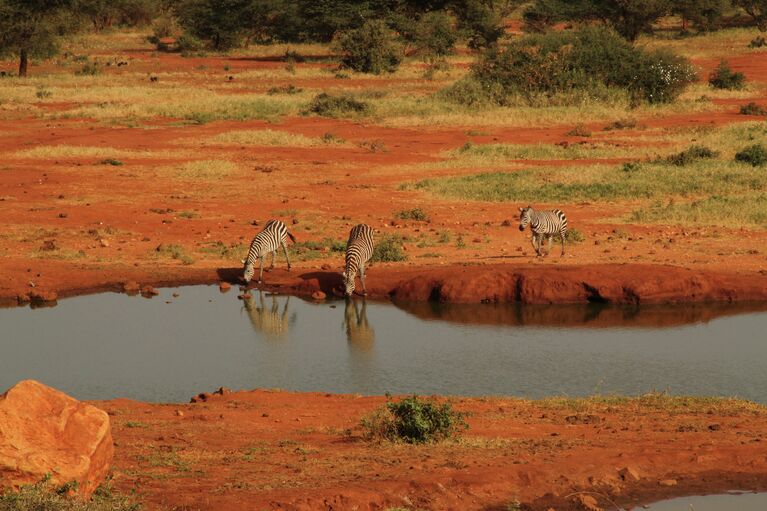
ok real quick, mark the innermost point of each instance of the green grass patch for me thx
(691, 155)
(715, 210)
(306, 250)
(413, 214)
(567, 184)
(755, 155)
(44, 496)
(342, 105)
(172, 251)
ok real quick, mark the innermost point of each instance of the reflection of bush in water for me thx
(268, 318)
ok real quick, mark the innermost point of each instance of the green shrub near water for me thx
(591, 59)
(414, 420)
(388, 249)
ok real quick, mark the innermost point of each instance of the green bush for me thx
(413, 214)
(372, 48)
(691, 155)
(89, 69)
(758, 42)
(328, 105)
(725, 78)
(414, 420)
(752, 109)
(434, 36)
(755, 155)
(590, 59)
(188, 44)
(388, 249)
(574, 236)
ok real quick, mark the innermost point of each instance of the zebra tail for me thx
(290, 235)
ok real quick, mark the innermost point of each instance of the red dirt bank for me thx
(278, 450)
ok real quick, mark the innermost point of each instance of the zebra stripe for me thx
(544, 224)
(267, 241)
(359, 250)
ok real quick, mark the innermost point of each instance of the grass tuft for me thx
(414, 420)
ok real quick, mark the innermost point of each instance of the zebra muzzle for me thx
(521, 227)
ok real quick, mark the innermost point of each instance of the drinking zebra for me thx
(268, 240)
(544, 224)
(359, 250)
(359, 333)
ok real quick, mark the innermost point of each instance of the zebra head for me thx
(248, 270)
(525, 215)
(348, 283)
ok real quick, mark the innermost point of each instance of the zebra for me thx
(359, 250)
(268, 240)
(544, 224)
(268, 320)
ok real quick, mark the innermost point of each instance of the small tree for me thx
(757, 9)
(704, 14)
(372, 48)
(221, 22)
(30, 28)
(435, 37)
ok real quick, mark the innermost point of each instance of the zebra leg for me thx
(362, 279)
(274, 256)
(260, 269)
(562, 237)
(535, 247)
(551, 240)
(285, 248)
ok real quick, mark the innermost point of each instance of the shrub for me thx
(43, 93)
(755, 155)
(574, 236)
(372, 48)
(590, 59)
(579, 131)
(89, 69)
(621, 124)
(189, 45)
(414, 420)
(725, 78)
(758, 42)
(285, 89)
(434, 36)
(470, 92)
(328, 105)
(388, 249)
(111, 161)
(413, 214)
(691, 155)
(752, 109)
(631, 167)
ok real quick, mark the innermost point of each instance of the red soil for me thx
(277, 450)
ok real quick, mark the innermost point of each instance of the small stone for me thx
(104, 243)
(318, 296)
(589, 503)
(244, 296)
(295, 221)
(200, 398)
(222, 391)
(63, 215)
(179, 413)
(714, 427)
(224, 286)
(49, 245)
(131, 287)
(149, 291)
(629, 474)
(176, 295)
(326, 267)
(667, 482)
(40, 296)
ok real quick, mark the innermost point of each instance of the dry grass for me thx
(266, 137)
(204, 170)
(68, 151)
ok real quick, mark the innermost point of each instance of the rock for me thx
(222, 391)
(326, 267)
(44, 431)
(149, 291)
(104, 243)
(319, 296)
(224, 286)
(667, 482)
(179, 413)
(629, 474)
(131, 287)
(49, 245)
(588, 502)
(714, 427)
(200, 398)
(244, 296)
(40, 297)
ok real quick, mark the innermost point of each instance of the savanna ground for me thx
(156, 171)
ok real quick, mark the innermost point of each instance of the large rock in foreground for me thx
(44, 431)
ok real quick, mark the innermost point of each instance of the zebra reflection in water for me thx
(268, 320)
(359, 333)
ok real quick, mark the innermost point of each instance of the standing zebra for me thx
(359, 250)
(268, 240)
(544, 224)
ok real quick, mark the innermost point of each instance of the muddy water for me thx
(113, 345)
(731, 501)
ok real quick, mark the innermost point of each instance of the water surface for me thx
(726, 502)
(113, 345)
